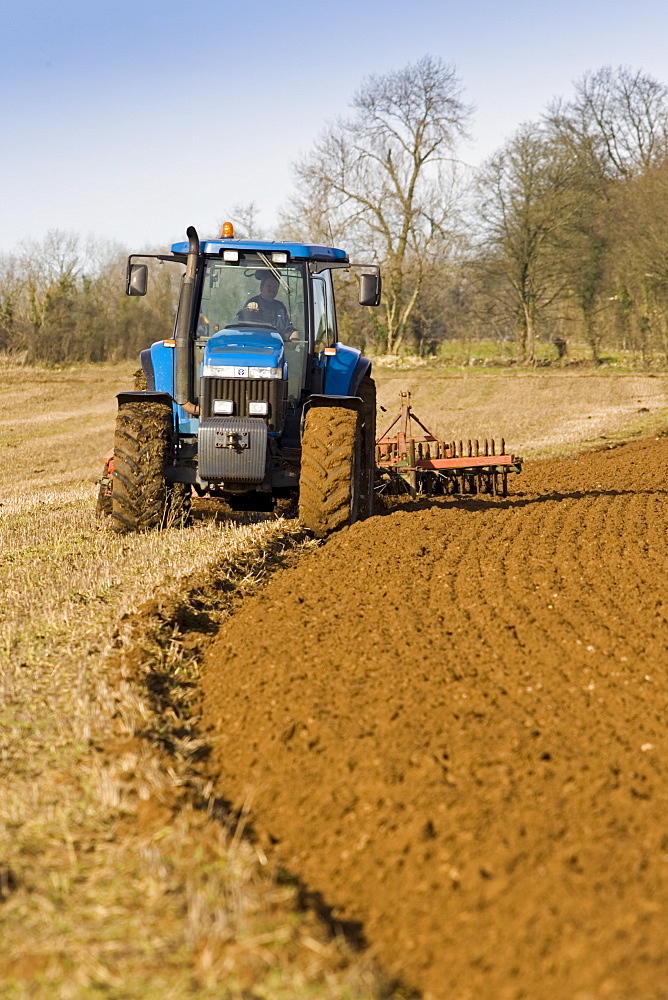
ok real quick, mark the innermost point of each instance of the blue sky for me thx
(132, 120)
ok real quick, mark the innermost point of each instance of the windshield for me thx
(252, 292)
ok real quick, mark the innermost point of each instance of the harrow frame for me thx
(421, 463)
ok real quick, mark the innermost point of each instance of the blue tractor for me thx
(253, 399)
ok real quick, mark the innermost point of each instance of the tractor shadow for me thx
(393, 504)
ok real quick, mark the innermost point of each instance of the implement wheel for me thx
(331, 469)
(140, 494)
(103, 506)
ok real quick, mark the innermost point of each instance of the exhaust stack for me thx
(183, 353)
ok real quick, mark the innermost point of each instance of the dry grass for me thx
(539, 414)
(119, 875)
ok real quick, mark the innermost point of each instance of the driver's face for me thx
(269, 288)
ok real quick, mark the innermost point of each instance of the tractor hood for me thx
(244, 347)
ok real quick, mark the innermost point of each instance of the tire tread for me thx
(140, 495)
(329, 467)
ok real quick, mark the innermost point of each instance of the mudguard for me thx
(162, 366)
(362, 368)
(143, 396)
(344, 371)
(347, 402)
(158, 360)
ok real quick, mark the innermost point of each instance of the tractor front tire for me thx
(331, 469)
(140, 495)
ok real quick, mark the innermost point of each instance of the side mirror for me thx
(370, 289)
(137, 279)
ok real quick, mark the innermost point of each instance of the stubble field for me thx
(443, 729)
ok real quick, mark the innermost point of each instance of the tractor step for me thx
(414, 460)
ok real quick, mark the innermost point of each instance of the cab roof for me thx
(297, 251)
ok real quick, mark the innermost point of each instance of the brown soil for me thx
(451, 722)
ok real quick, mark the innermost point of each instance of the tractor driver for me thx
(266, 308)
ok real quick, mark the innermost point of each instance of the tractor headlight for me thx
(224, 407)
(265, 372)
(258, 408)
(232, 371)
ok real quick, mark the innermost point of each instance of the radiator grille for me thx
(242, 391)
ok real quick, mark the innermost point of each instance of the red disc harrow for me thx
(415, 461)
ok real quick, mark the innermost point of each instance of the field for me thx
(424, 758)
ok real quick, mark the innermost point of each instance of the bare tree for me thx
(616, 128)
(383, 181)
(637, 264)
(528, 204)
(617, 121)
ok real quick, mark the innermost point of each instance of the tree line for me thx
(560, 237)
(63, 299)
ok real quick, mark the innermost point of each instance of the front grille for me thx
(242, 391)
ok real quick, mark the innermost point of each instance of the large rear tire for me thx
(329, 482)
(140, 495)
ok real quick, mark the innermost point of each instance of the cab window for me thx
(320, 324)
(331, 310)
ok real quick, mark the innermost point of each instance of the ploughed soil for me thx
(450, 721)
